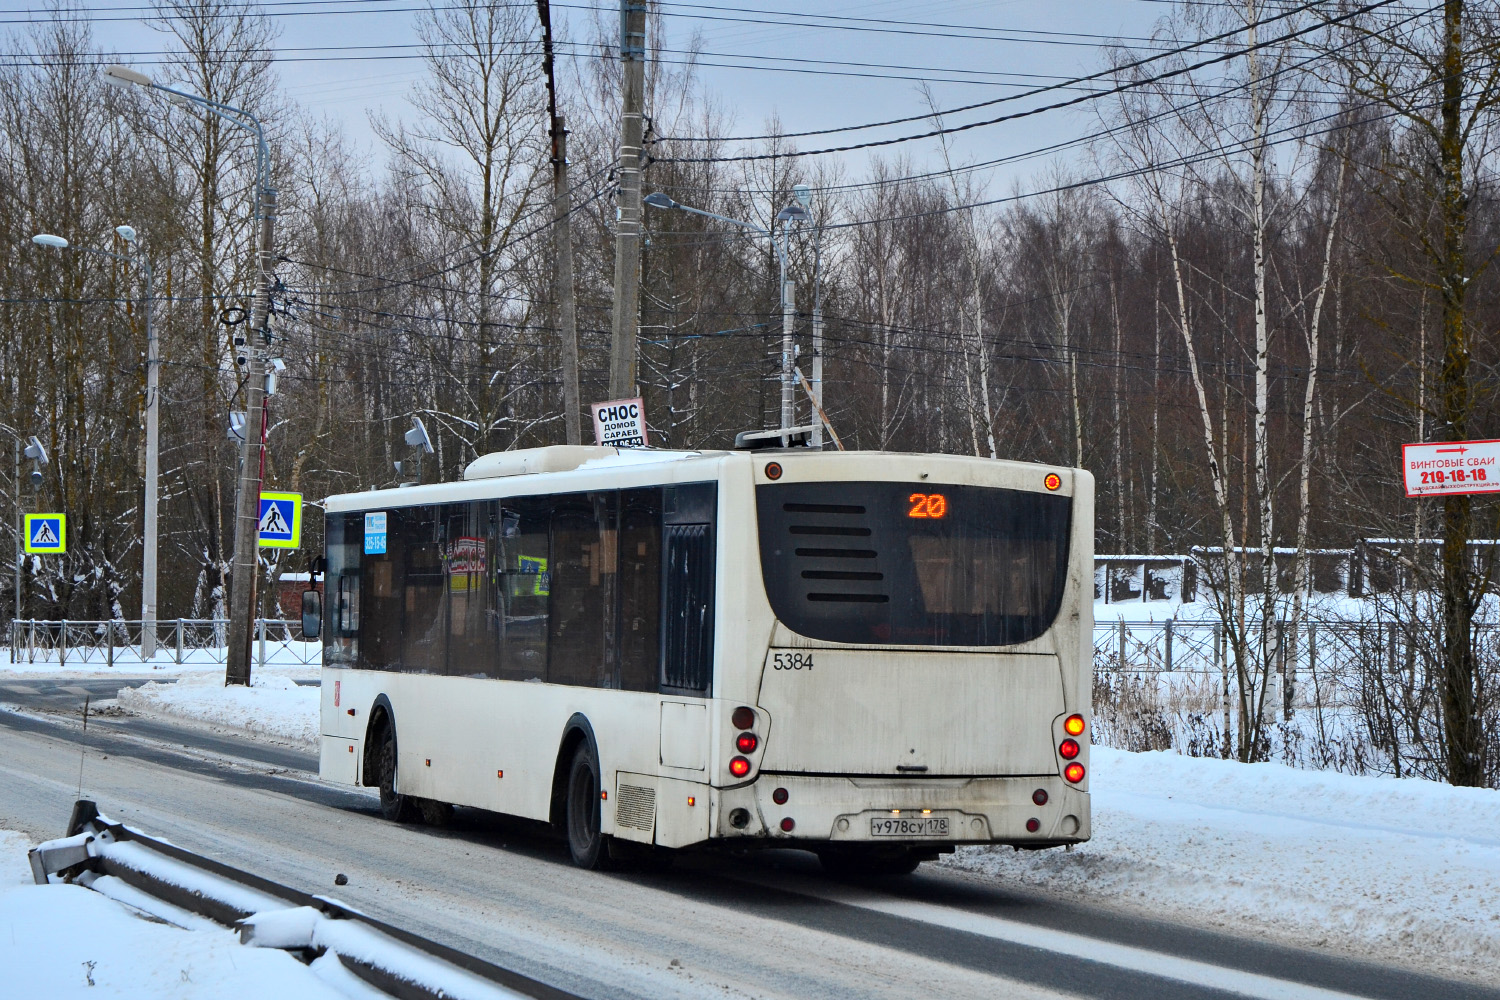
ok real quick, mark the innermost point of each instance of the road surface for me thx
(762, 925)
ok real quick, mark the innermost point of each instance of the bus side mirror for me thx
(312, 614)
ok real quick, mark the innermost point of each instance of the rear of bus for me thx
(917, 653)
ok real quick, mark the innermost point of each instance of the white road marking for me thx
(75, 689)
(1121, 956)
(15, 689)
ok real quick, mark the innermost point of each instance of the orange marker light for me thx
(1053, 481)
(692, 800)
(499, 774)
(773, 470)
(1073, 725)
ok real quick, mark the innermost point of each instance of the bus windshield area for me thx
(894, 563)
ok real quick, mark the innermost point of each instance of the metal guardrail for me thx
(114, 643)
(269, 915)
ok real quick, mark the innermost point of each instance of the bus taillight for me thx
(739, 767)
(1073, 772)
(747, 742)
(1068, 749)
(744, 717)
(1074, 725)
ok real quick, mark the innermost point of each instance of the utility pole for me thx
(153, 465)
(627, 314)
(562, 234)
(252, 451)
(817, 366)
(788, 363)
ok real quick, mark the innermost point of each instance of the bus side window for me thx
(687, 613)
(640, 588)
(424, 622)
(524, 589)
(584, 571)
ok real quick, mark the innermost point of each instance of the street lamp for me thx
(788, 215)
(252, 448)
(153, 425)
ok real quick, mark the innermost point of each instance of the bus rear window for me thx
(881, 562)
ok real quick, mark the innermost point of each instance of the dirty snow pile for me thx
(1405, 870)
(60, 941)
(274, 704)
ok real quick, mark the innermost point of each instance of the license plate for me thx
(913, 826)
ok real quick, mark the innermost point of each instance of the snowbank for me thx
(59, 941)
(1404, 870)
(274, 704)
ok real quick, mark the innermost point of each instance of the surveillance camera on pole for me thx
(274, 369)
(417, 439)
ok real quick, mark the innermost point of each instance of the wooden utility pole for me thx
(627, 314)
(562, 232)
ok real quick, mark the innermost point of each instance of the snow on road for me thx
(60, 941)
(1403, 870)
(274, 705)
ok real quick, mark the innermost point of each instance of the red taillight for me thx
(1073, 772)
(744, 717)
(1033, 825)
(1068, 748)
(739, 767)
(1074, 725)
(1039, 796)
(779, 796)
(747, 742)
(788, 825)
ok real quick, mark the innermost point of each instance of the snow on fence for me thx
(183, 640)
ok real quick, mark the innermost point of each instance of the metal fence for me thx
(182, 640)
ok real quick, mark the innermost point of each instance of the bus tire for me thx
(586, 842)
(394, 806)
(855, 862)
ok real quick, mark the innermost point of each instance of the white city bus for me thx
(873, 656)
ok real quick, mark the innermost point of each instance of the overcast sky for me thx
(965, 50)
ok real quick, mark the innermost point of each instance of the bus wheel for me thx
(869, 861)
(585, 841)
(394, 807)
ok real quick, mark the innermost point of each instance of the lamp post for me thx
(149, 530)
(786, 216)
(35, 451)
(252, 448)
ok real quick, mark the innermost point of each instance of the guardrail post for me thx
(1312, 653)
(62, 646)
(31, 640)
(179, 642)
(261, 625)
(109, 644)
(1170, 623)
(1122, 644)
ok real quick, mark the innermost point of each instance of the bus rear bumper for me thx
(938, 811)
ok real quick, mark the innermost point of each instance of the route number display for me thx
(1447, 468)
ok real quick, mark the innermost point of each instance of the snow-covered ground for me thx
(1402, 870)
(59, 941)
(273, 705)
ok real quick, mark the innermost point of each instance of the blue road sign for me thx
(46, 534)
(280, 520)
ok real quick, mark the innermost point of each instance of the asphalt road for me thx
(761, 925)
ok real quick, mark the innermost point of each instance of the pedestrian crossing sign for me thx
(47, 534)
(280, 520)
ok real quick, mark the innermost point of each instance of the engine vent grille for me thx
(635, 807)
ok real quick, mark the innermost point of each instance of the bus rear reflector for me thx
(744, 717)
(788, 825)
(1068, 748)
(779, 796)
(1033, 825)
(739, 767)
(1039, 796)
(1074, 725)
(1073, 772)
(747, 742)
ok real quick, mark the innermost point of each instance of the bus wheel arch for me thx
(575, 733)
(382, 717)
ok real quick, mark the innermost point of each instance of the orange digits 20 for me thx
(927, 505)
